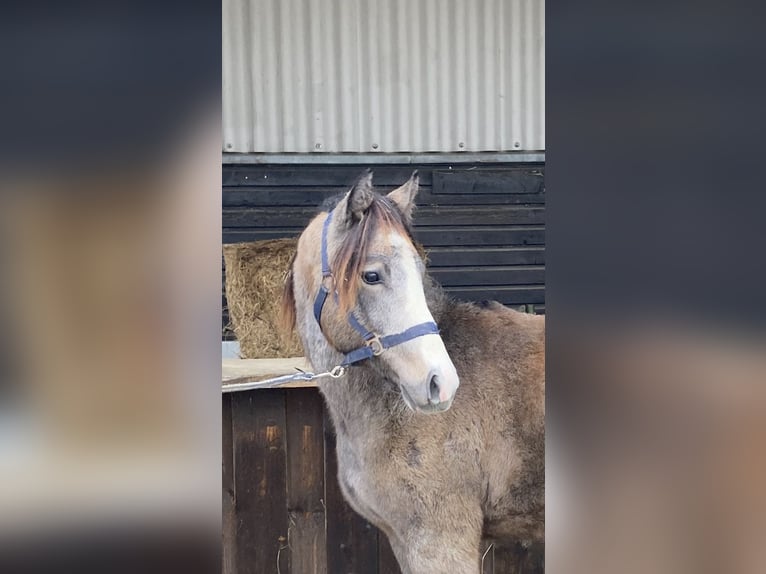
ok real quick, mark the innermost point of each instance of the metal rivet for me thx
(318, 145)
(374, 146)
(461, 145)
(228, 146)
(516, 144)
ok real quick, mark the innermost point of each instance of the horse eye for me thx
(371, 277)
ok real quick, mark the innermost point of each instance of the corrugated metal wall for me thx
(383, 75)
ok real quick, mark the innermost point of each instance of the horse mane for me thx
(382, 215)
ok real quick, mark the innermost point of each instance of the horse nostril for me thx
(433, 390)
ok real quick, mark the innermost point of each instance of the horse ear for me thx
(358, 199)
(404, 196)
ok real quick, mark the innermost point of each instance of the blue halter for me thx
(374, 345)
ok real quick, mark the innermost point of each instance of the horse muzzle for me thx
(435, 394)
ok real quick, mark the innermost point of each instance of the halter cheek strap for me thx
(374, 345)
(326, 274)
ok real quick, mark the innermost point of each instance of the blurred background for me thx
(655, 288)
(110, 305)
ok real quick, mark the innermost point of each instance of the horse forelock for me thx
(381, 217)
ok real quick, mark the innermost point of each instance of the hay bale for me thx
(254, 279)
(255, 274)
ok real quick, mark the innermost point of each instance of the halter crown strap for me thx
(326, 272)
(373, 344)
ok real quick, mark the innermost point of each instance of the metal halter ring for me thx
(375, 344)
(328, 282)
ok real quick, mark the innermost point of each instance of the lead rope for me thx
(304, 376)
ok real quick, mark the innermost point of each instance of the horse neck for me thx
(362, 403)
(364, 406)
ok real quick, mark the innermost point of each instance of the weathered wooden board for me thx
(518, 560)
(258, 423)
(484, 256)
(305, 482)
(313, 196)
(428, 236)
(228, 515)
(427, 216)
(488, 181)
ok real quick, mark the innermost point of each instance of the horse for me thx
(440, 430)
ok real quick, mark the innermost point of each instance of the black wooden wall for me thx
(482, 224)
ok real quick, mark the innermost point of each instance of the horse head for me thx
(356, 285)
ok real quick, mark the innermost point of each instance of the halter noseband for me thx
(374, 345)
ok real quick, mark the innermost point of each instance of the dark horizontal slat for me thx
(457, 256)
(336, 175)
(479, 215)
(488, 181)
(428, 236)
(313, 196)
(250, 234)
(426, 197)
(485, 276)
(501, 235)
(425, 216)
(309, 197)
(344, 175)
(507, 295)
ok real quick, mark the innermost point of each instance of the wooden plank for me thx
(483, 256)
(427, 197)
(427, 216)
(428, 236)
(228, 516)
(259, 478)
(387, 563)
(533, 560)
(313, 196)
(239, 235)
(309, 197)
(385, 175)
(488, 181)
(335, 175)
(507, 295)
(480, 235)
(305, 482)
(516, 559)
(352, 542)
(283, 216)
(506, 560)
(486, 276)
